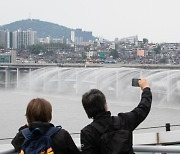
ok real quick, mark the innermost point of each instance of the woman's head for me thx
(39, 109)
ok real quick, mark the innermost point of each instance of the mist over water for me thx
(64, 87)
(114, 82)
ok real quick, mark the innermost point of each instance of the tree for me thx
(84, 56)
(36, 49)
(145, 40)
(114, 53)
(157, 49)
(163, 60)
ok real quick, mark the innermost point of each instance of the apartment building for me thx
(5, 39)
(23, 39)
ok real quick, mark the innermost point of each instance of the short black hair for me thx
(93, 102)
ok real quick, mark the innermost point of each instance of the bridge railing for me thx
(157, 142)
(137, 148)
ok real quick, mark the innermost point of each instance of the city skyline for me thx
(156, 20)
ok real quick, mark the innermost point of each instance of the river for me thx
(69, 113)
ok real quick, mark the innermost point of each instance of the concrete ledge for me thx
(165, 138)
(137, 148)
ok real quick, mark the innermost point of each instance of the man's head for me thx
(39, 109)
(94, 102)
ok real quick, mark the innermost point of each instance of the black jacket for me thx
(62, 141)
(90, 137)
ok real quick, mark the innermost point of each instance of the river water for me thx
(69, 113)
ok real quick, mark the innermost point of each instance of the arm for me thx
(63, 143)
(17, 141)
(137, 115)
(72, 148)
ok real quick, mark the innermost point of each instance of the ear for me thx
(106, 107)
(27, 120)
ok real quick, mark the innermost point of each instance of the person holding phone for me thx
(95, 106)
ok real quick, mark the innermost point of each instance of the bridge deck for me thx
(35, 65)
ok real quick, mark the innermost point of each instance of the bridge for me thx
(10, 74)
(36, 65)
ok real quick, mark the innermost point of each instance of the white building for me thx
(4, 39)
(91, 54)
(23, 39)
(112, 46)
(13, 56)
(78, 40)
(45, 40)
(73, 36)
(131, 39)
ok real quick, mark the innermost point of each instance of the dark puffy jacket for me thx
(90, 137)
(62, 141)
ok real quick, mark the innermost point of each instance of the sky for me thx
(156, 20)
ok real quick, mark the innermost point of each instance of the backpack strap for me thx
(98, 127)
(26, 133)
(29, 134)
(48, 134)
(116, 122)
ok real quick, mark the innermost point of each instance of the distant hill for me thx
(45, 29)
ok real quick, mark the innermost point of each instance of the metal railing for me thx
(137, 148)
(162, 146)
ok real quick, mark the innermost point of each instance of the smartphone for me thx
(135, 82)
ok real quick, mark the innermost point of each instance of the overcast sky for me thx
(157, 20)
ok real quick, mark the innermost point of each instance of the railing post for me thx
(168, 127)
(7, 78)
(17, 77)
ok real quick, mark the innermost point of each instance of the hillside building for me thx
(5, 39)
(73, 36)
(9, 57)
(23, 39)
(131, 39)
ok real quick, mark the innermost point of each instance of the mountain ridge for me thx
(45, 29)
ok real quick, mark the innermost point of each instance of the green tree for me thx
(36, 49)
(84, 56)
(145, 40)
(157, 49)
(114, 53)
(163, 60)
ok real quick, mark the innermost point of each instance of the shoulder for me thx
(18, 140)
(89, 132)
(62, 133)
(60, 137)
(19, 135)
(87, 128)
(146, 90)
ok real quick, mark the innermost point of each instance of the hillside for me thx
(45, 29)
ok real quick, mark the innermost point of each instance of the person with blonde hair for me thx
(39, 115)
